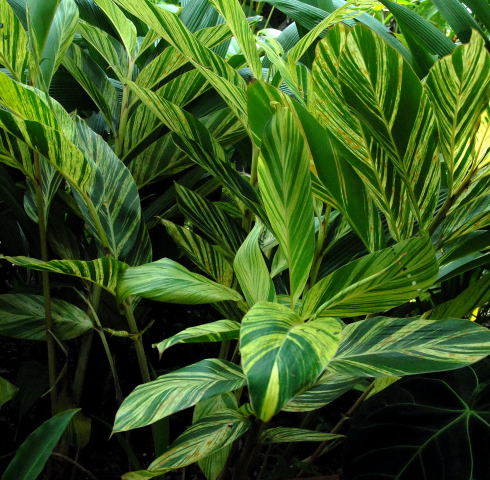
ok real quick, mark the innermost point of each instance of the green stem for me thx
(249, 451)
(46, 284)
(123, 119)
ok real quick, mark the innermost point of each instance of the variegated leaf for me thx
(23, 316)
(251, 270)
(382, 346)
(376, 282)
(13, 43)
(207, 436)
(329, 386)
(281, 355)
(287, 435)
(177, 391)
(459, 89)
(168, 281)
(285, 187)
(218, 331)
(104, 272)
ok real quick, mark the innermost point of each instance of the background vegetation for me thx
(298, 189)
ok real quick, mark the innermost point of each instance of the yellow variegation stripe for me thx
(459, 89)
(168, 281)
(176, 391)
(281, 355)
(251, 270)
(404, 346)
(376, 282)
(102, 271)
(285, 187)
(286, 435)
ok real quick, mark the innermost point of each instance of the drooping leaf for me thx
(202, 439)
(7, 391)
(384, 346)
(375, 282)
(251, 270)
(176, 391)
(329, 386)
(441, 423)
(218, 331)
(458, 86)
(23, 316)
(104, 272)
(285, 187)
(34, 452)
(281, 355)
(287, 435)
(168, 281)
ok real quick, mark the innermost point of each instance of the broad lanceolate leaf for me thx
(176, 391)
(168, 281)
(458, 87)
(23, 316)
(285, 187)
(376, 282)
(287, 435)
(13, 43)
(403, 346)
(202, 439)
(251, 270)
(329, 386)
(7, 391)
(102, 271)
(33, 454)
(397, 124)
(218, 331)
(281, 355)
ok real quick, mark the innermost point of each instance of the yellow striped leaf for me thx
(104, 272)
(281, 355)
(285, 187)
(209, 435)
(218, 331)
(287, 435)
(375, 282)
(459, 89)
(177, 391)
(382, 346)
(168, 281)
(251, 270)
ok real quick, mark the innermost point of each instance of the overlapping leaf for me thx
(286, 435)
(281, 355)
(403, 346)
(376, 282)
(176, 391)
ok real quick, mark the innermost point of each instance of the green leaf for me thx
(375, 282)
(205, 256)
(405, 346)
(441, 423)
(481, 10)
(177, 391)
(281, 355)
(202, 439)
(123, 26)
(22, 316)
(218, 331)
(458, 87)
(168, 281)
(285, 187)
(104, 272)
(329, 386)
(287, 435)
(398, 129)
(34, 452)
(7, 391)
(13, 43)
(251, 270)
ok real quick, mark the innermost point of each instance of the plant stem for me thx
(45, 280)
(249, 451)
